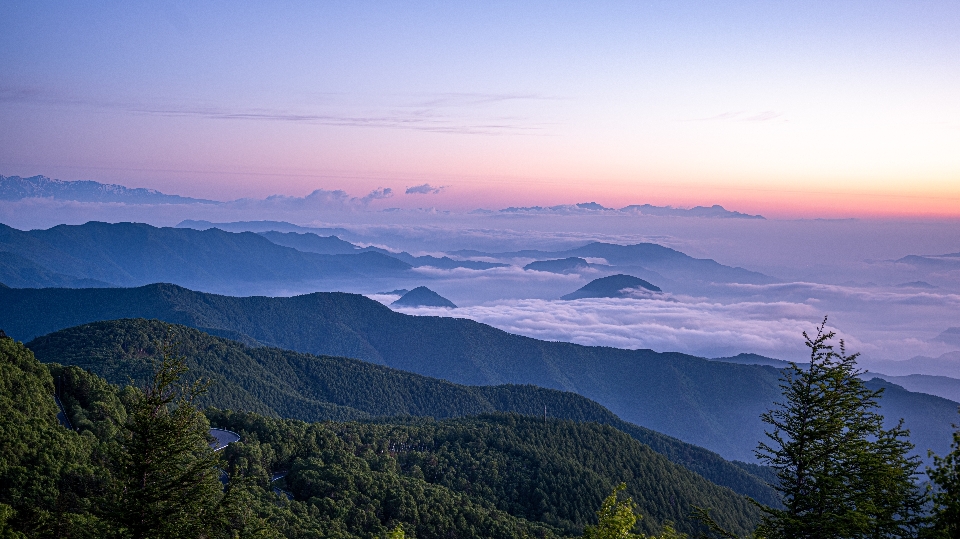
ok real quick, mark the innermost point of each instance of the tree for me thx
(840, 473)
(945, 474)
(617, 518)
(166, 475)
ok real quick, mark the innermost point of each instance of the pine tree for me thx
(166, 475)
(841, 474)
(945, 474)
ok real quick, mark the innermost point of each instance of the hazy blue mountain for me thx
(131, 254)
(17, 188)
(422, 296)
(946, 261)
(716, 211)
(261, 226)
(916, 284)
(331, 245)
(288, 384)
(20, 272)
(950, 336)
(309, 242)
(941, 386)
(708, 403)
(613, 286)
(946, 365)
(753, 359)
(651, 261)
(444, 262)
(571, 264)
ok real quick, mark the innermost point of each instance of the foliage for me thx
(945, 475)
(841, 474)
(47, 477)
(708, 403)
(552, 473)
(138, 465)
(166, 478)
(288, 384)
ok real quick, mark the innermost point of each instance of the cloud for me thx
(379, 193)
(425, 189)
(438, 113)
(670, 324)
(743, 116)
(880, 323)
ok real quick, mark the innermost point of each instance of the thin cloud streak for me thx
(431, 115)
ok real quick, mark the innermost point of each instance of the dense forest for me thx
(711, 404)
(486, 476)
(281, 383)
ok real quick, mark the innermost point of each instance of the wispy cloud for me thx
(443, 113)
(425, 189)
(743, 116)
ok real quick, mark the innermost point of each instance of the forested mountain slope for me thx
(707, 403)
(492, 476)
(552, 472)
(288, 384)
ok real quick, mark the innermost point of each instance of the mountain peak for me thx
(422, 296)
(614, 286)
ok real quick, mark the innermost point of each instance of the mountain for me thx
(715, 211)
(422, 296)
(945, 365)
(754, 359)
(132, 254)
(614, 286)
(941, 386)
(20, 272)
(950, 336)
(17, 188)
(572, 264)
(551, 473)
(712, 404)
(275, 382)
(494, 476)
(262, 226)
(309, 242)
(649, 260)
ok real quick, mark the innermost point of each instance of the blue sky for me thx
(781, 108)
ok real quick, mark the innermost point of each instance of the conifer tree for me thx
(841, 474)
(945, 474)
(166, 475)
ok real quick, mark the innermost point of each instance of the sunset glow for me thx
(787, 110)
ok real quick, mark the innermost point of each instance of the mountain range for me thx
(17, 188)
(281, 383)
(711, 404)
(648, 261)
(133, 254)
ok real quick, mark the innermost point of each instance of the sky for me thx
(786, 109)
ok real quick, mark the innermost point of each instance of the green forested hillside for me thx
(712, 404)
(288, 384)
(552, 472)
(492, 476)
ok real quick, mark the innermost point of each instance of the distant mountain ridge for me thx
(648, 261)
(133, 254)
(715, 211)
(708, 403)
(17, 188)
